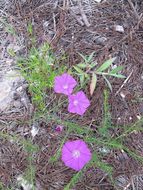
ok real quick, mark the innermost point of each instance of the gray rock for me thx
(9, 95)
(100, 40)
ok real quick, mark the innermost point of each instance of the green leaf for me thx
(108, 83)
(90, 57)
(73, 180)
(78, 70)
(106, 64)
(86, 75)
(93, 83)
(82, 65)
(83, 57)
(116, 70)
(117, 76)
(11, 52)
(82, 78)
(30, 28)
(92, 65)
(102, 165)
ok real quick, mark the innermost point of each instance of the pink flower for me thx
(76, 154)
(64, 84)
(78, 103)
(59, 128)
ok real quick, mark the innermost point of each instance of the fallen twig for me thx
(134, 9)
(124, 83)
(79, 19)
(84, 17)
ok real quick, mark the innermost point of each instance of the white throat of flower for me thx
(76, 153)
(75, 102)
(65, 87)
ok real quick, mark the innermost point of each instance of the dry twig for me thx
(134, 9)
(84, 17)
(79, 19)
(124, 83)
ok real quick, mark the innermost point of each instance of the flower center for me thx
(75, 102)
(76, 153)
(65, 86)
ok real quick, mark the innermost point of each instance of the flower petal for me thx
(75, 163)
(61, 81)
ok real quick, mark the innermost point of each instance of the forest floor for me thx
(109, 28)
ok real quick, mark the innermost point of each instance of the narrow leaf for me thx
(83, 57)
(92, 65)
(93, 83)
(86, 75)
(116, 70)
(82, 78)
(82, 65)
(106, 64)
(90, 57)
(117, 75)
(108, 83)
(78, 70)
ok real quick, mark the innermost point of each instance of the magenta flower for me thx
(78, 103)
(59, 128)
(64, 84)
(76, 154)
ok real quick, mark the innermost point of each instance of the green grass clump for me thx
(39, 69)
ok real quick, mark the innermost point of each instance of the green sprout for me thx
(88, 71)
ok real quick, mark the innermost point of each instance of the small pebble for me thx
(34, 131)
(45, 24)
(122, 95)
(98, 1)
(100, 40)
(119, 28)
(139, 117)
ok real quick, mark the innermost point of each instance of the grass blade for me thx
(108, 83)
(106, 64)
(78, 70)
(116, 70)
(117, 76)
(90, 57)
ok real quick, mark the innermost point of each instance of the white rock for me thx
(104, 150)
(139, 117)
(119, 28)
(24, 183)
(113, 66)
(34, 131)
(98, 1)
(122, 95)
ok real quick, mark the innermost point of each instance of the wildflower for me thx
(78, 103)
(76, 154)
(59, 128)
(64, 84)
